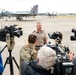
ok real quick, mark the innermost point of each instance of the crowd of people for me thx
(44, 57)
(36, 58)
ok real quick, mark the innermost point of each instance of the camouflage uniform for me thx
(28, 53)
(41, 38)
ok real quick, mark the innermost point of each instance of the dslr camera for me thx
(12, 30)
(73, 37)
(63, 65)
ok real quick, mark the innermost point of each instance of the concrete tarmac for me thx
(28, 25)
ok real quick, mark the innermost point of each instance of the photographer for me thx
(46, 59)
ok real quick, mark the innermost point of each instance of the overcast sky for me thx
(59, 6)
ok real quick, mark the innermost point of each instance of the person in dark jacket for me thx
(74, 62)
(31, 68)
(1, 65)
(43, 65)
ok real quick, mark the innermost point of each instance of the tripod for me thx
(9, 60)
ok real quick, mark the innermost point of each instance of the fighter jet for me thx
(20, 14)
(52, 15)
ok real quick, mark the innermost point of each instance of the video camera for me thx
(73, 37)
(12, 30)
(63, 65)
(56, 36)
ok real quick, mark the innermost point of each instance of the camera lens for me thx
(72, 38)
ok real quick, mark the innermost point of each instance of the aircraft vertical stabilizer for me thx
(34, 10)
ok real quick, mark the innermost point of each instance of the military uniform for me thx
(41, 38)
(28, 53)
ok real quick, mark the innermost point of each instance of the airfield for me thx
(64, 24)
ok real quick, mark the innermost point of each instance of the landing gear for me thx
(19, 18)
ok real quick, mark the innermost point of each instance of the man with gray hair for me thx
(46, 59)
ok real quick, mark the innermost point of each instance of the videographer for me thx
(63, 65)
(46, 60)
(57, 36)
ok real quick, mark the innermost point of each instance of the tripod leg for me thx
(11, 66)
(15, 62)
(6, 62)
(9, 61)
